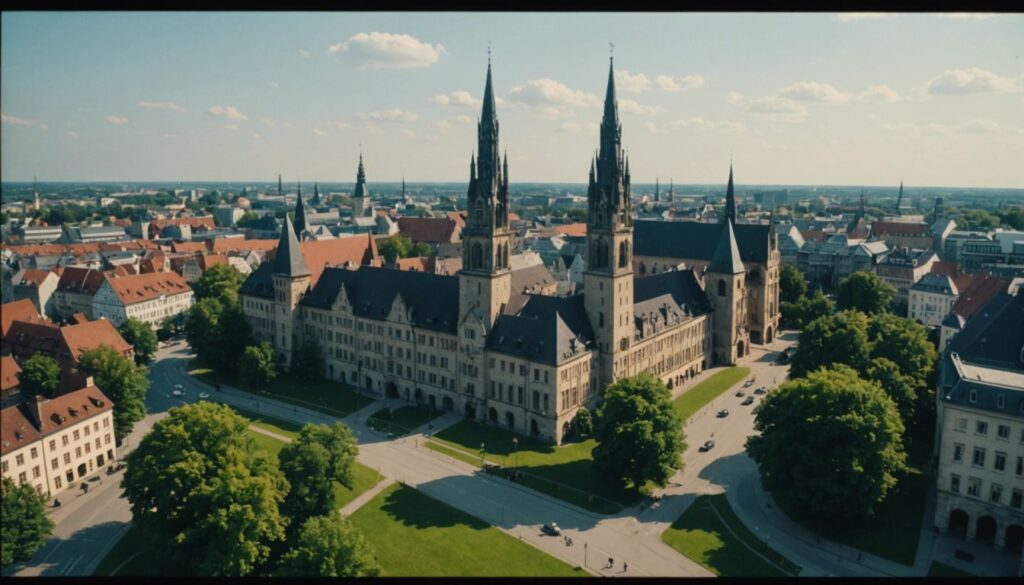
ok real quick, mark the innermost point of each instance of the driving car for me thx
(551, 529)
(723, 413)
(203, 395)
(748, 401)
(740, 393)
(177, 393)
(708, 445)
(760, 390)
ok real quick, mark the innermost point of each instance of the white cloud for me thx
(774, 108)
(571, 127)
(442, 125)
(880, 94)
(304, 53)
(15, 121)
(459, 98)
(686, 82)
(117, 120)
(72, 134)
(390, 115)
(812, 91)
(269, 123)
(377, 50)
(973, 80)
(855, 16)
(631, 106)
(638, 83)
(168, 106)
(319, 132)
(339, 125)
(231, 127)
(965, 15)
(545, 91)
(736, 98)
(228, 112)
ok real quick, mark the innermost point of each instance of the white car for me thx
(203, 395)
(177, 393)
(178, 386)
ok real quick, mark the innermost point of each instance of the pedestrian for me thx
(611, 562)
(625, 566)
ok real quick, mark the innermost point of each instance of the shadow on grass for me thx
(413, 509)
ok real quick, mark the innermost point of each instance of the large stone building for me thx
(470, 343)
(980, 427)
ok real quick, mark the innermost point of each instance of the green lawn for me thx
(415, 535)
(702, 536)
(142, 558)
(570, 465)
(403, 420)
(334, 397)
(696, 398)
(892, 533)
(940, 570)
(275, 425)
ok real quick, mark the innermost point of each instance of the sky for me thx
(836, 99)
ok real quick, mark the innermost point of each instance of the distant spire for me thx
(403, 187)
(280, 186)
(657, 189)
(300, 213)
(360, 189)
(730, 199)
(489, 114)
(316, 193)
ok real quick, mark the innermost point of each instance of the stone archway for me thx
(986, 530)
(470, 411)
(448, 404)
(958, 521)
(433, 401)
(390, 390)
(418, 395)
(1014, 543)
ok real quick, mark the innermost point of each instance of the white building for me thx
(932, 298)
(149, 297)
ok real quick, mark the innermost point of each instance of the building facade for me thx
(932, 298)
(903, 267)
(473, 344)
(150, 298)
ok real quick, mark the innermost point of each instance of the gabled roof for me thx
(727, 254)
(139, 288)
(81, 280)
(697, 241)
(977, 293)
(222, 245)
(432, 230)
(69, 409)
(893, 228)
(532, 279)
(31, 277)
(16, 430)
(288, 258)
(936, 284)
(571, 229)
(89, 335)
(21, 310)
(433, 298)
(676, 291)
(9, 371)
(995, 335)
(545, 329)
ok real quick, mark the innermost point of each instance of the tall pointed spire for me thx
(489, 115)
(608, 195)
(316, 193)
(300, 213)
(403, 187)
(487, 196)
(288, 260)
(280, 186)
(657, 190)
(730, 199)
(727, 254)
(360, 189)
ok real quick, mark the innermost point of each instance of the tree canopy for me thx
(840, 338)
(256, 366)
(792, 284)
(639, 433)
(24, 524)
(308, 361)
(830, 444)
(865, 292)
(218, 332)
(220, 282)
(329, 546)
(141, 337)
(321, 455)
(798, 314)
(199, 486)
(40, 375)
(122, 381)
(400, 246)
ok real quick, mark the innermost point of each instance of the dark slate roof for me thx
(547, 329)
(260, 283)
(697, 241)
(433, 298)
(288, 258)
(986, 396)
(995, 335)
(674, 295)
(727, 255)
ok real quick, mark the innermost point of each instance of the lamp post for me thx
(515, 450)
(482, 447)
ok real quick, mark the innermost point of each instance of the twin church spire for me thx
(608, 191)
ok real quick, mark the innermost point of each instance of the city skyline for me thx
(833, 99)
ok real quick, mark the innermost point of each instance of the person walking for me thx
(611, 562)
(625, 566)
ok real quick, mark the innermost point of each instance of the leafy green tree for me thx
(40, 375)
(218, 332)
(840, 338)
(141, 337)
(639, 433)
(246, 220)
(23, 522)
(900, 388)
(329, 546)
(201, 328)
(829, 444)
(421, 249)
(171, 326)
(308, 361)
(583, 423)
(321, 455)
(1013, 218)
(798, 314)
(201, 489)
(234, 334)
(905, 342)
(257, 366)
(122, 381)
(397, 246)
(865, 292)
(792, 284)
(220, 282)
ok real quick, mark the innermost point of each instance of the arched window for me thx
(623, 254)
(643, 269)
(721, 288)
(477, 257)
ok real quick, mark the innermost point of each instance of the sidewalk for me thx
(366, 496)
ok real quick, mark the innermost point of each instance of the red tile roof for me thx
(572, 229)
(222, 245)
(16, 430)
(207, 260)
(81, 280)
(22, 310)
(92, 334)
(69, 409)
(434, 230)
(143, 287)
(978, 293)
(193, 222)
(417, 264)
(9, 371)
(188, 247)
(358, 250)
(33, 277)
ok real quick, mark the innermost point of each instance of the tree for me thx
(829, 444)
(308, 361)
(900, 388)
(840, 338)
(142, 338)
(798, 314)
(246, 220)
(792, 284)
(321, 455)
(257, 367)
(201, 329)
(220, 282)
(639, 433)
(234, 334)
(40, 375)
(865, 292)
(583, 423)
(172, 326)
(201, 489)
(329, 546)
(122, 381)
(218, 332)
(397, 246)
(23, 522)
(905, 342)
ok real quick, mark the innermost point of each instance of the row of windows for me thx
(19, 459)
(981, 426)
(995, 493)
(979, 455)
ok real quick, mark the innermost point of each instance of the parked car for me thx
(723, 413)
(748, 401)
(760, 390)
(748, 383)
(177, 393)
(203, 395)
(707, 446)
(178, 386)
(740, 393)
(551, 529)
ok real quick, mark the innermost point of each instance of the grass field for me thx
(571, 465)
(938, 569)
(894, 531)
(275, 425)
(415, 535)
(328, 395)
(403, 420)
(702, 535)
(696, 398)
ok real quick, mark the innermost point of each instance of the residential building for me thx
(150, 298)
(980, 428)
(38, 286)
(10, 391)
(20, 310)
(903, 267)
(976, 290)
(931, 299)
(75, 290)
(829, 262)
(65, 344)
(95, 234)
(791, 241)
(40, 234)
(902, 235)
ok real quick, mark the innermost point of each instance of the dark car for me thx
(740, 393)
(551, 529)
(723, 413)
(760, 390)
(707, 446)
(748, 401)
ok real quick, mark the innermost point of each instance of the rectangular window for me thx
(54, 463)
(1015, 498)
(1003, 432)
(958, 452)
(35, 472)
(76, 435)
(34, 452)
(78, 452)
(53, 444)
(64, 440)
(954, 483)
(1000, 462)
(973, 487)
(979, 457)
(67, 459)
(56, 482)
(981, 427)
(1019, 470)
(20, 459)
(995, 493)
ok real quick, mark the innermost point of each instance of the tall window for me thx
(721, 287)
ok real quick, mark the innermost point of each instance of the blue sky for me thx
(793, 98)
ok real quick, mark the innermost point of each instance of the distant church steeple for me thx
(657, 190)
(280, 186)
(300, 213)
(730, 199)
(316, 194)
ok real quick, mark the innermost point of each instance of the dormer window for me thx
(1000, 401)
(973, 397)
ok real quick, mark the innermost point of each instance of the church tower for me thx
(608, 280)
(291, 278)
(361, 195)
(300, 214)
(730, 200)
(725, 288)
(485, 281)
(657, 190)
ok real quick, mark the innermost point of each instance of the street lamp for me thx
(515, 449)
(482, 447)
